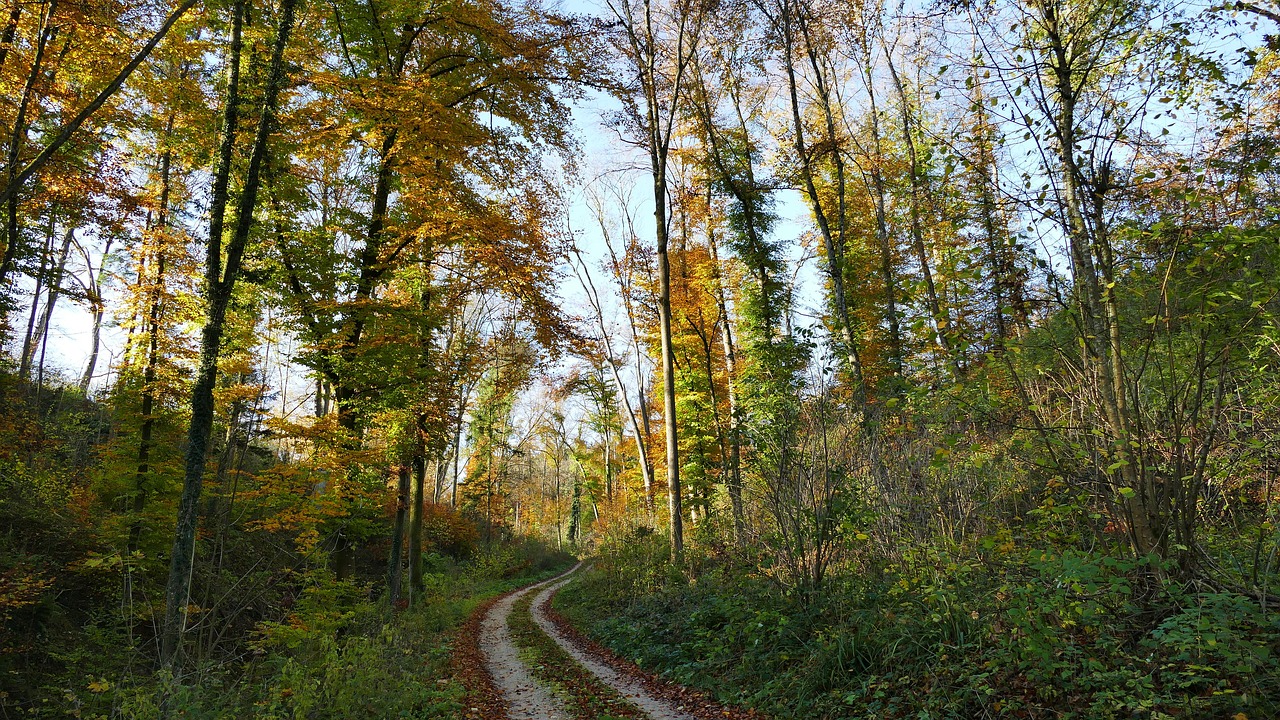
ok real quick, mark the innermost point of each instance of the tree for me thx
(220, 281)
(657, 46)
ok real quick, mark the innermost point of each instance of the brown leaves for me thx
(698, 704)
(484, 700)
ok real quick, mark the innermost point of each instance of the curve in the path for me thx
(629, 687)
(527, 699)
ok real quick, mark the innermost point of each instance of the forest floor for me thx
(544, 669)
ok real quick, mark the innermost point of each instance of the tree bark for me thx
(219, 287)
(675, 514)
(395, 571)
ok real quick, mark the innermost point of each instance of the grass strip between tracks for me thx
(585, 695)
(697, 703)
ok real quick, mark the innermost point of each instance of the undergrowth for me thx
(1001, 629)
(340, 652)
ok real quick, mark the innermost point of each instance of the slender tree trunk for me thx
(219, 286)
(833, 241)
(941, 319)
(1095, 291)
(54, 291)
(984, 184)
(609, 480)
(675, 513)
(415, 520)
(457, 446)
(442, 471)
(24, 366)
(880, 199)
(641, 433)
(154, 310)
(420, 431)
(396, 563)
(140, 489)
(98, 309)
(734, 483)
(644, 431)
(575, 512)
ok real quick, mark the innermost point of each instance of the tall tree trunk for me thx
(675, 513)
(575, 511)
(734, 482)
(395, 571)
(457, 445)
(418, 501)
(154, 309)
(219, 285)
(941, 319)
(420, 430)
(644, 431)
(880, 200)
(608, 459)
(789, 20)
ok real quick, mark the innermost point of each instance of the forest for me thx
(668, 359)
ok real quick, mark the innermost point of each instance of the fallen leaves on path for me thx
(483, 700)
(694, 702)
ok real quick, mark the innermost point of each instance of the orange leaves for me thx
(298, 498)
(21, 588)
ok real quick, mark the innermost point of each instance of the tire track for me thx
(526, 698)
(628, 687)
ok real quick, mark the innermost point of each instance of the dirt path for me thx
(629, 687)
(525, 696)
(527, 699)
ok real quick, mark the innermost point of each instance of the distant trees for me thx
(990, 193)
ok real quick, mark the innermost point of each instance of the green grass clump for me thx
(583, 694)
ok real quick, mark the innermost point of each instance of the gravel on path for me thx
(629, 687)
(527, 699)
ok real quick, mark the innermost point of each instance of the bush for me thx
(994, 631)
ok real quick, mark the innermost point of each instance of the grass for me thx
(585, 696)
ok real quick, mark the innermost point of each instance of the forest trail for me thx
(526, 697)
(628, 687)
